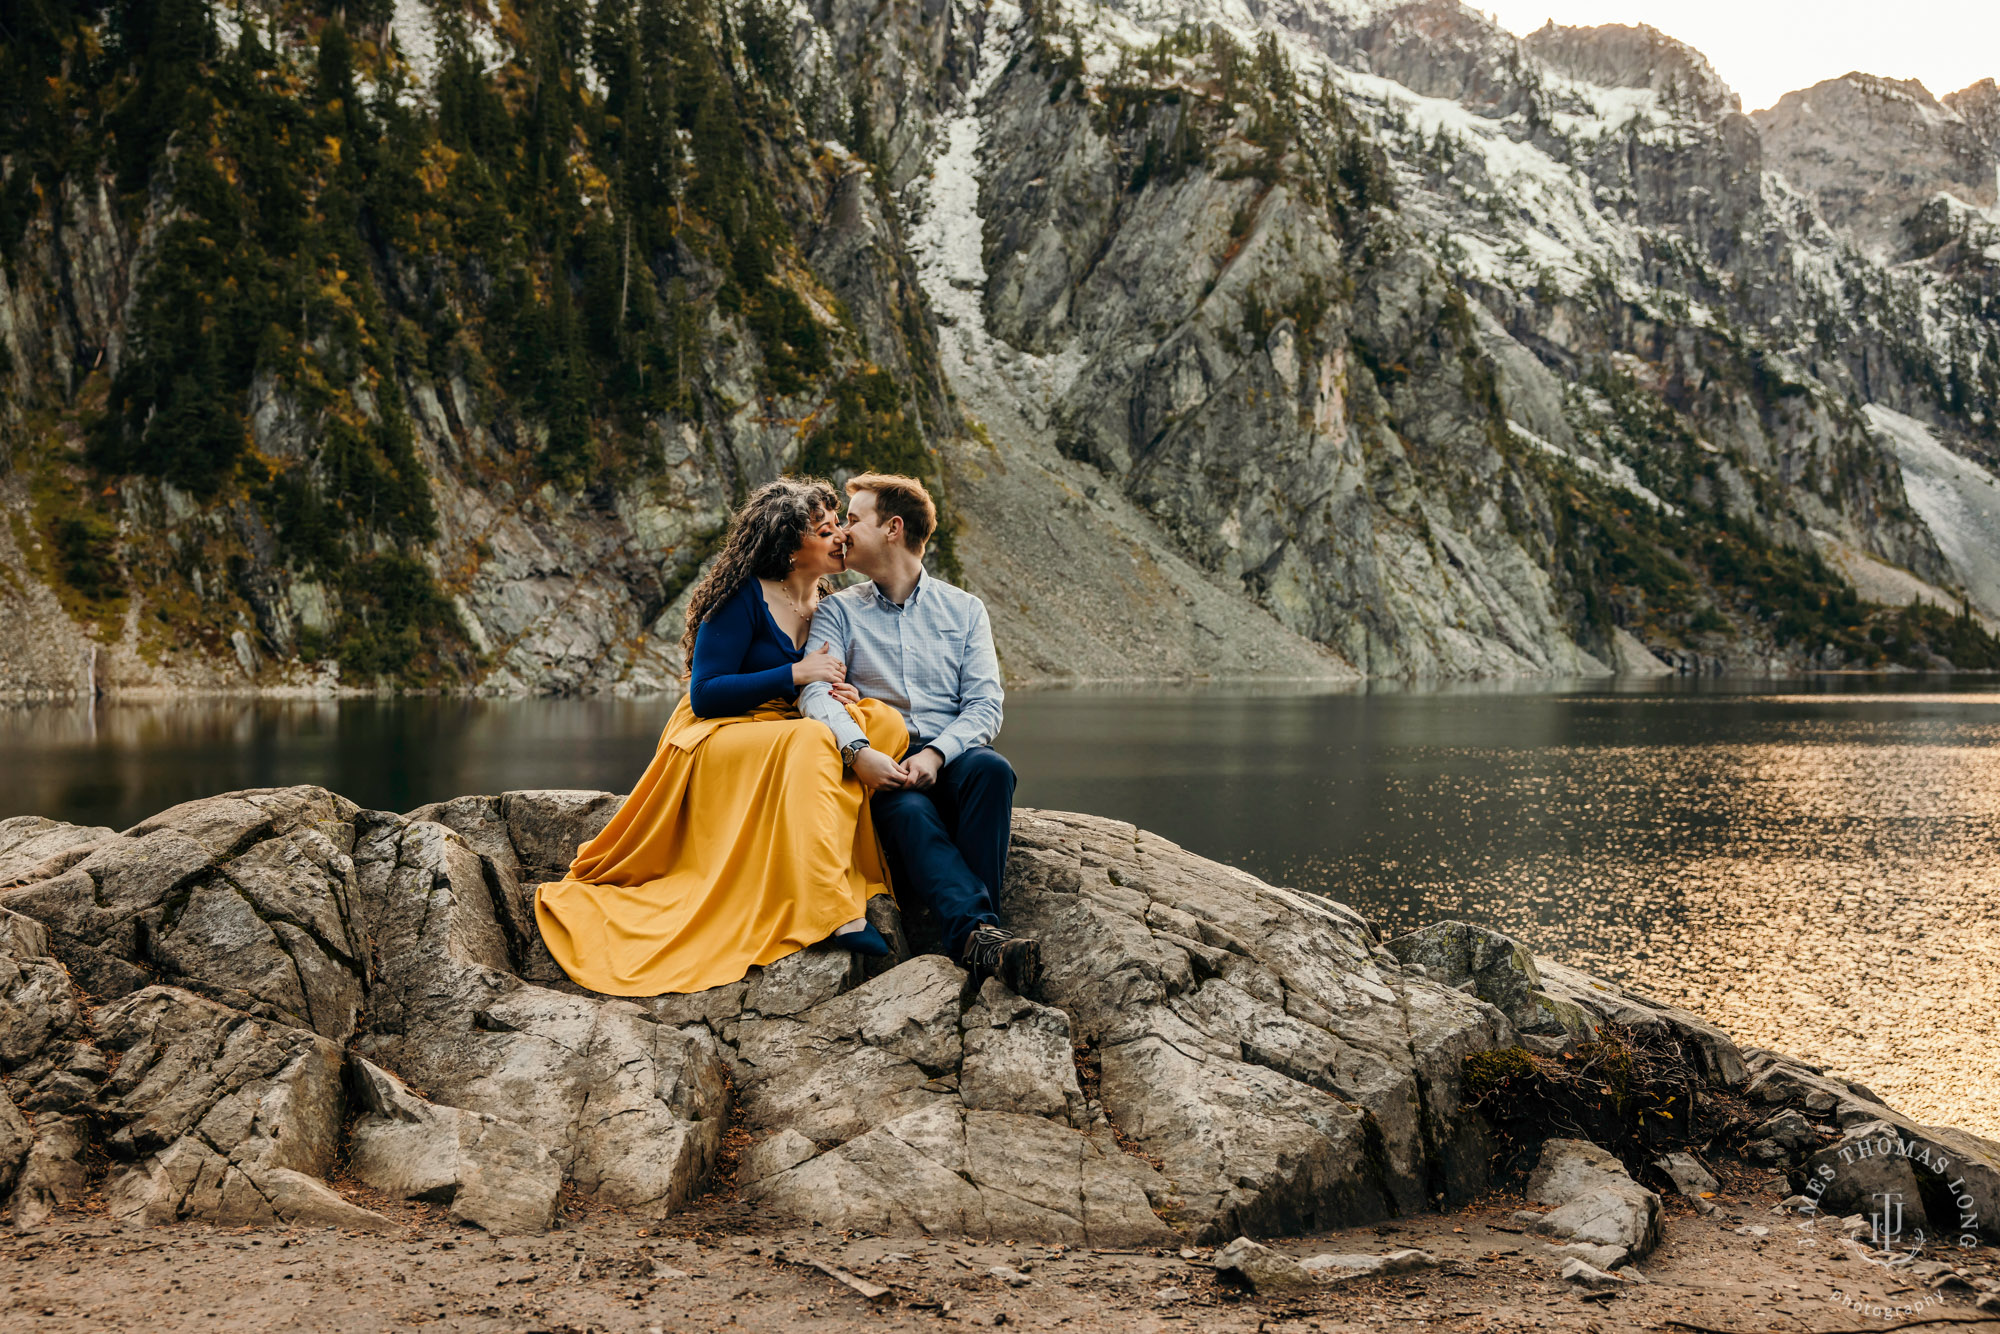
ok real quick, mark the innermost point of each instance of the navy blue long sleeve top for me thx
(741, 658)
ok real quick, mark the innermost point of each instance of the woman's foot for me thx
(865, 941)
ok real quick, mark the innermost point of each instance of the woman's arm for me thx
(718, 687)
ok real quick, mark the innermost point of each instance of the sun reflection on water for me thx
(1833, 901)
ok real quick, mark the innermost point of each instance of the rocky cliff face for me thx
(1348, 338)
(1872, 152)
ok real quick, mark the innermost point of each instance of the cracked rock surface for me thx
(216, 1115)
(286, 986)
(489, 1171)
(1594, 1200)
(1257, 1040)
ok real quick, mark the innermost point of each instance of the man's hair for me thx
(900, 497)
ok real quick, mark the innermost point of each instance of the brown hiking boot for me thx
(994, 951)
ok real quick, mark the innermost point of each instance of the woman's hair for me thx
(763, 537)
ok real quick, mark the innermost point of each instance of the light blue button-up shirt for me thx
(931, 659)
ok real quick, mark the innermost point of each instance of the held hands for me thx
(819, 665)
(922, 767)
(877, 771)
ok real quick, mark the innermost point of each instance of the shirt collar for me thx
(916, 589)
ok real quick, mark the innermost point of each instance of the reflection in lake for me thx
(1813, 870)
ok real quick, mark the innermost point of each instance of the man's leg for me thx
(924, 858)
(975, 798)
(978, 794)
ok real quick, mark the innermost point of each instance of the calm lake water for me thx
(1812, 865)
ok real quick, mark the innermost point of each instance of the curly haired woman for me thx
(745, 840)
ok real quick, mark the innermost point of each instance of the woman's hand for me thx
(877, 771)
(844, 693)
(819, 665)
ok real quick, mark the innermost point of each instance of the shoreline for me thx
(1246, 683)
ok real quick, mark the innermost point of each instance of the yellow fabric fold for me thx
(744, 841)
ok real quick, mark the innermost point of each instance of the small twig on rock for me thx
(874, 1292)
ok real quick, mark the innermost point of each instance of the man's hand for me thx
(922, 768)
(877, 771)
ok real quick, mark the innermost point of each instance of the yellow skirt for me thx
(744, 841)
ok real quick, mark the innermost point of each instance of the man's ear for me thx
(894, 528)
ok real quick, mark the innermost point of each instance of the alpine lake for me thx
(1811, 863)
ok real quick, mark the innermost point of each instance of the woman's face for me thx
(823, 550)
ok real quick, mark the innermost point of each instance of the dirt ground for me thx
(719, 1268)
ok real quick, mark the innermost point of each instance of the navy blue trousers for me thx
(947, 843)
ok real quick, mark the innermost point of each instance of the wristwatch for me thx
(851, 749)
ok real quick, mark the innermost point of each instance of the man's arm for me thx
(829, 626)
(979, 693)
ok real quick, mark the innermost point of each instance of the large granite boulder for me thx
(246, 899)
(631, 1108)
(33, 848)
(47, 1070)
(282, 979)
(1494, 967)
(898, 1107)
(1258, 1041)
(1283, 1069)
(524, 839)
(38, 1004)
(215, 1115)
(334, 936)
(489, 1172)
(1926, 1158)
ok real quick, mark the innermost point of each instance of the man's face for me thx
(868, 540)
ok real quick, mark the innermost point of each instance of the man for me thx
(917, 643)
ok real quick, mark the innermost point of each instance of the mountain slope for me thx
(1250, 253)
(429, 344)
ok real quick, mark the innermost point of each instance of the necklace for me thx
(799, 611)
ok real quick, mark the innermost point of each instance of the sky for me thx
(1766, 48)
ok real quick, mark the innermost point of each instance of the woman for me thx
(744, 841)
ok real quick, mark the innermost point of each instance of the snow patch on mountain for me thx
(1617, 473)
(1568, 231)
(414, 29)
(1611, 109)
(1877, 581)
(1956, 498)
(948, 243)
(228, 27)
(420, 40)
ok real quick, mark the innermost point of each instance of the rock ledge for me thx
(286, 985)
